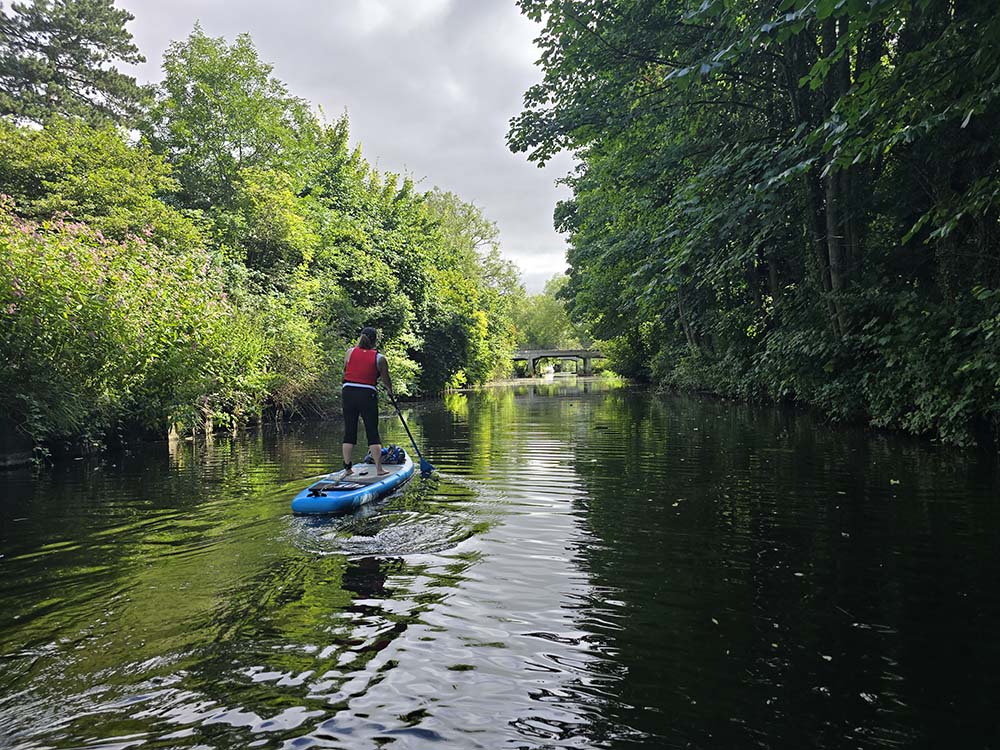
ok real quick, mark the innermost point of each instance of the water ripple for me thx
(590, 568)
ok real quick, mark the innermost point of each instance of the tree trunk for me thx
(852, 220)
(820, 250)
(773, 284)
(834, 233)
(685, 326)
(835, 198)
(751, 273)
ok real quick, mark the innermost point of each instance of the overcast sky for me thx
(429, 87)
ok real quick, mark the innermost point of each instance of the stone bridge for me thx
(531, 356)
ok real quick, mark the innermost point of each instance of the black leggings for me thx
(361, 402)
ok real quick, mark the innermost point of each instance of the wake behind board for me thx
(336, 493)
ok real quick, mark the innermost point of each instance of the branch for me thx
(621, 52)
(731, 102)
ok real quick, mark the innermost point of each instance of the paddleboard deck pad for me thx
(340, 493)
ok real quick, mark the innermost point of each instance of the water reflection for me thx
(592, 567)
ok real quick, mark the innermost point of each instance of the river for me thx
(592, 566)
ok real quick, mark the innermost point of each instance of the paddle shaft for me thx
(407, 428)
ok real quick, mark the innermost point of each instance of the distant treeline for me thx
(794, 199)
(199, 253)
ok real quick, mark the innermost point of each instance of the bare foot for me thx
(382, 472)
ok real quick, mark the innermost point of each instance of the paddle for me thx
(425, 466)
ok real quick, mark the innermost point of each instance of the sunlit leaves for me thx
(543, 323)
(219, 112)
(217, 268)
(92, 174)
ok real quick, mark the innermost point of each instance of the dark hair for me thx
(368, 337)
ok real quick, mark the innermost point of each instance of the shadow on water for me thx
(591, 567)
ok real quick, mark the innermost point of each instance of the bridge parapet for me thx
(531, 356)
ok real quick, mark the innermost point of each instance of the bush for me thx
(98, 333)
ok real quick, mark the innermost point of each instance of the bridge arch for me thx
(531, 356)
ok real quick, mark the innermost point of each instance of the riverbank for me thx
(16, 448)
(941, 411)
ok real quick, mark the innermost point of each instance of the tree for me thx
(56, 58)
(796, 199)
(220, 111)
(475, 293)
(216, 269)
(71, 169)
(542, 321)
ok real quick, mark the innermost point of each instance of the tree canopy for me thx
(57, 58)
(216, 268)
(542, 321)
(791, 199)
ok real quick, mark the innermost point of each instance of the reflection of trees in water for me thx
(700, 513)
(763, 564)
(490, 426)
(200, 591)
(308, 633)
(759, 569)
(145, 525)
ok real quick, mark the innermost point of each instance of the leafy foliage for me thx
(543, 323)
(799, 198)
(218, 268)
(54, 56)
(96, 329)
(92, 174)
(475, 293)
(219, 112)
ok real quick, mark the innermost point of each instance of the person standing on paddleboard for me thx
(363, 366)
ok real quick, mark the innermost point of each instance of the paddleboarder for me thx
(363, 367)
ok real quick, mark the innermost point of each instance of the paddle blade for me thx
(425, 468)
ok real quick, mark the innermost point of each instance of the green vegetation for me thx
(792, 200)
(543, 323)
(53, 61)
(202, 255)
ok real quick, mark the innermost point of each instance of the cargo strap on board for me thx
(319, 489)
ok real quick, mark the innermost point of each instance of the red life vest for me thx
(362, 367)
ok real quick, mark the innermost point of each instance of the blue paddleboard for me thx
(336, 493)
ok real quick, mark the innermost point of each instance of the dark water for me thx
(593, 567)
